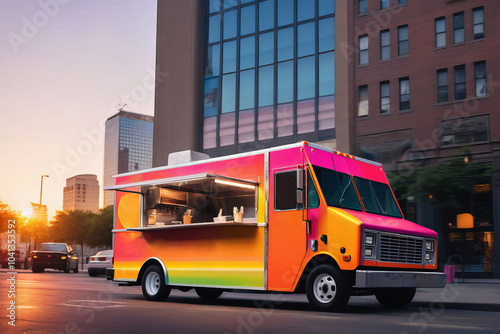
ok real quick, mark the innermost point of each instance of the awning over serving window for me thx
(195, 181)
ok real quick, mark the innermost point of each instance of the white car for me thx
(99, 262)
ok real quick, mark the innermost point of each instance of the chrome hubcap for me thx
(325, 288)
(153, 283)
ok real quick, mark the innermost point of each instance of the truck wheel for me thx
(153, 285)
(208, 293)
(37, 269)
(75, 271)
(395, 297)
(327, 288)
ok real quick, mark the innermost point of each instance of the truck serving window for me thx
(377, 197)
(337, 188)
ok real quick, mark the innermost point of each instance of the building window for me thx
(266, 15)
(442, 83)
(363, 101)
(478, 22)
(385, 100)
(403, 44)
(460, 91)
(285, 12)
(402, 2)
(404, 94)
(465, 130)
(385, 45)
(362, 7)
(440, 32)
(363, 49)
(458, 28)
(480, 78)
(384, 4)
(247, 20)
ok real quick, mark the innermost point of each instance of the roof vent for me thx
(183, 157)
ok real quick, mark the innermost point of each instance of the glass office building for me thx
(128, 147)
(268, 75)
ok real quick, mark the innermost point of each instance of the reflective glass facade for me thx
(136, 145)
(128, 147)
(269, 73)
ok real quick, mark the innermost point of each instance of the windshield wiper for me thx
(343, 192)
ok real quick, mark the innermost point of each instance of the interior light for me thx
(235, 184)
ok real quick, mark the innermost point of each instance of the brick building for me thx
(424, 80)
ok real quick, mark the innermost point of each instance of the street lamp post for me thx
(41, 188)
(39, 209)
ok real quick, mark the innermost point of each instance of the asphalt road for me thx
(54, 302)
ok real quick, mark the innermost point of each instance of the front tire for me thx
(209, 293)
(327, 288)
(153, 284)
(66, 270)
(37, 269)
(395, 297)
(75, 271)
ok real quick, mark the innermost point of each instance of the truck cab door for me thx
(287, 244)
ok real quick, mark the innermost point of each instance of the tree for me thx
(441, 185)
(72, 227)
(6, 214)
(100, 228)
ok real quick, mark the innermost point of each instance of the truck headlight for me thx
(370, 242)
(430, 251)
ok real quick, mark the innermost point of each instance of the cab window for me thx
(285, 187)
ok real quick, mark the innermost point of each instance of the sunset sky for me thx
(65, 66)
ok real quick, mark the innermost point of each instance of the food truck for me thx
(298, 218)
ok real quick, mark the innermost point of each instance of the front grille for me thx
(400, 249)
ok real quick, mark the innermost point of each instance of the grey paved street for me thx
(54, 302)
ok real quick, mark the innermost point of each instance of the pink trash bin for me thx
(450, 273)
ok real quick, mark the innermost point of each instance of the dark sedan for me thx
(56, 256)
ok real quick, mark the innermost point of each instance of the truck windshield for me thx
(377, 197)
(339, 191)
(337, 188)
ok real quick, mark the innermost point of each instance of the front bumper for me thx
(399, 279)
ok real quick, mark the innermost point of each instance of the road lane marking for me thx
(88, 303)
(446, 326)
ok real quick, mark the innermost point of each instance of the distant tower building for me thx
(39, 212)
(81, 193)
(128, 146)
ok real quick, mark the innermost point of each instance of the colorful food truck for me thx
(298, 218)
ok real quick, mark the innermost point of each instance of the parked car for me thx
(19, 262)
(99, 262)
(54, 255)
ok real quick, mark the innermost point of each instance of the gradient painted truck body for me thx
(279, 247)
